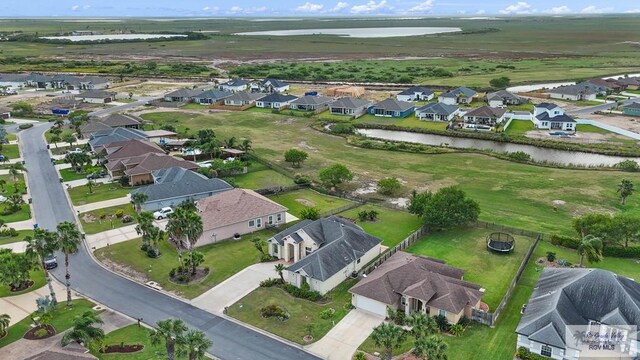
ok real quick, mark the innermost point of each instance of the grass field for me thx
(297, 200)
(9, 188)
(21, 235)
(80, 195)
(131, 335)
(591, 129)
(111, 222)
(392, 226)
(410, 121)
(10, 151)
(36, 275)
(519, 127)
(262, 179)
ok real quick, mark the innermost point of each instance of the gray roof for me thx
(236, 82)
(416, 89)
(461, 91)
(176, 182)
(340, 242)
(13, 77)
(502, 95)
(546, 105)
(38, 78)
(104, 137)
(438, 109)
(277, 97)
(245, 96)
(312, 100)
(183, 93)
(116, 120)
(213, 94)
(350, 103)
(486, 111)
(97, 94)
(394, 105)
(633, 105)
(574, 297)
(274, 82)
(574, 90)
(558, 118)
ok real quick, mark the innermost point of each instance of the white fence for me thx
(608, 127)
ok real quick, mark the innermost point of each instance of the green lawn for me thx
(467, 249)
(130, 335)
(410, 122)
(327, 116)
(36, 275)
(110, 222)
(11, 137)
(69, 174)
(519, 127)
(10, 151)
(262, 179)
(126, 100)
(302, 312)
(297, 200)
(521, 107)
(224, 259)
(591, 129)
(48, 135)
(392, 226)
(21, 235)
(62, 320)
(80, 195)
(9, 188)
(194, 106)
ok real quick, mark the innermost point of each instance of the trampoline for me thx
(500, 242)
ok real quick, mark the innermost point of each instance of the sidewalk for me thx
(22, 225)
(77, 143)
(110, 237)
(102, 204)
(80, 182)
(16, 247)
(20, 306)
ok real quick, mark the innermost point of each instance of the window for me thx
(546, 350)
(307, 251)
(403, 301)
(258, 222)
(252, 223)
(442, 313)
(358, 261)
(275, 249)
(270, 220)
(279, 217)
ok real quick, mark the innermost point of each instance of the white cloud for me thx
(424, 6)
(75, 8)
(210, 9)
(520, 7)
(595, 10)
(309, 7)
(341, 5)
(481, 12)
(633, 11)
(370, 7)
(235, 10)
(564, 9)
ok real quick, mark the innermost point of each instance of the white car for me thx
(162, 213)
(75, 151)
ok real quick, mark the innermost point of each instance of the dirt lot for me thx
(581, 137)
(631, 123)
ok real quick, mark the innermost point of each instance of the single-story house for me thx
(39, 81)
(160, 136)
(275, 101)
(325, 252)
(235, 85)
(92, 126)
(243, 98)
(630, 83)
(108, 136)
(551, 116)
(503, 98)
(345, 91)
(485, 115)
(573, 92)
(609, 84)
(175, 185)
(632, 109)
(127, 149)
(349, 106)
(414, 283)
(211, 97)
(5, 114)
(568, 301)
(461, 95)
(72, 351)
(237, 212)
(97, 96)
(139, 169)
(392, 108)
(110, 122)
(13, 81)
(311, 103)
(270, 86)
(181, 95)
(415, 93)
(437, 112)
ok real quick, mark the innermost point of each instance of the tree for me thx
(423, 324)
(591, 247)
(205, 136)
(85, 330)
(625, 189)
(187, 225)
(259, 243)
(145, 223)
(155, 235)
(388, 186)
(130, 95)
(90, 185)
(389, 336)
(55, 139)
(137, 199)
(431, 348)
(444, 209)
(14, 269)
(231, 142)
(78, 160)
(334, 175)
(43, 244)
(295, 157)
(169, 332)
(3, 182)
(310, 213)
(598, 225)
(14, 201)
(194, 344)
(245, 145)
(16, 169)
(625, 228)
(69, 138)
(69, 238)
(279, 268)
(5, 320)
(500, 83)
(22, 109)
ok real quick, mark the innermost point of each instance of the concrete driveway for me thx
(20, 306)
(344, 339)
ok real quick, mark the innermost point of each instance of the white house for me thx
(97, 96)
(275, 101)
(270, 86)
(235, 85)
(503, 98)
(415, 93)
(243, 98)
(461, 95)
(551, 116)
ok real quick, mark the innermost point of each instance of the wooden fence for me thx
(408, 241)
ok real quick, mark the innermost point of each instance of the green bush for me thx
(342, 128)
(519, 156)
(270, 282)
(628, 165)
(302, 292)
(40, 333)
(632, 252)
(310, 213)
(8, 232)
(24, 127)
(302, 179)
(274, 311)
(327, 314)
(119, 213)
(566, 241)
(443, 323)
(524, 354)
(551, 256)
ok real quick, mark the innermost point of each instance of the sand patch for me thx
(306, 202)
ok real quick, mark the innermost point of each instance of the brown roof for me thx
(119, 120)
(486, 111)
(437, 284)
(130, 148)
(234, 206)
(145, 164)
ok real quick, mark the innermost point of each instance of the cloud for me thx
(341, 5)
(424, 6)
(564, 9)
(520, 7)
(594, 10)
(309, 7)
(370, 7)
(481, 12)
(235, 10)
(633, 11)
(75, 8)
(210, 9)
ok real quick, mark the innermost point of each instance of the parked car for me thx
(2, 157)
(75, 151)
(50, 262)
(97, 175)
(162, 213)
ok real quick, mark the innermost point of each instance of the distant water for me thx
(113, 37)
(360, 32)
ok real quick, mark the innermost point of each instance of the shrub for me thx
(274, 311)
(524, 354)
(311, 213)
(151, 253)
(270, 282)
(42, 332)
(301, 179)
(566, 241)
(342, 128)
(302, 292)
(172, 273)
(618, 251)
(520, 156)
(443, 323)
(24, 127)
(266, 258)
(127, 219)
(628, 165)
(327, 313)
(563, 262)
(102, 215)
(8, 232)
(119, 213)
(388, 186)
(464, 321)
(456, 330)
(551, 256)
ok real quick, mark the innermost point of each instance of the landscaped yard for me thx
(262, 179)
(521, 107)
(410, 122)
(36, 275)
(519, 127)
(100, 220)
(131, 335)
(48, 135)
(69, 174)
(297, 200)
(20, 237)
(223, 259)
(392, 226)
(10, 151)
(591, 129)
(8, 189)
(302, 312)
(80, 195)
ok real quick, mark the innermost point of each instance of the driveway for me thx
(344, 339)
(20, 306)
(234, 288)
(110, 237)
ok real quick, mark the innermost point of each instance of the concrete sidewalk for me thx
(17, 247)
(22, 225)
(110, 237)
(102, 204)
(80, 182)
(21, 306)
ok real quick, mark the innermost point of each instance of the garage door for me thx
(370, 305)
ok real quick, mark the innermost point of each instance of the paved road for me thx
(230, 340)
(592, 109)
(140, 102)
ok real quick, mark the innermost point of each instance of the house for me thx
(485, 115)
(503, 98)
(243, 98)
(392, 108)
(413, 283)
(324, 252)
(211, 97)
(632, 109)
(108, 136)
(275, 101)
(235, 85)
(566, 301)
(349, 106)
(573, 92)
(13, 81)
(415, 93)
(233, 213)
(5, 114)
(461, 95)
(39, 81)
(175, 185)
(551, 116)
(97, 96)
(270, 85)
(139, 169)
(609, 84)
(110, 122)
(345, 91)
(72, 351)
(160, 136)
(181, 95)
(311, 103)
(437, 112)
(127, 149)
(630, 83)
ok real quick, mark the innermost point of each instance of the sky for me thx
(299, 8)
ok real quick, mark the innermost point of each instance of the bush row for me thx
(303, 292)
(524, 354)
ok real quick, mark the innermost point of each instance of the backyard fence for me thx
(408, 241)
(280, 189)
(509, 229)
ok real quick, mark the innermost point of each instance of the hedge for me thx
(632, 252)
(566, 241)
(524, 354)
(25, 126)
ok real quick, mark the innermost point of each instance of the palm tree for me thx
(175, 230)
(591, 247)
(145, 222)
(85, 330)
(155, 235)
(137, 199)
(231, 142)
(245, 145)
(69, 238)
(279, 269)
(55, 139)
(625, 189)
(170, 332)
(192, 232)
(388, 336)
(43, 244)
(16, 169)
(431, 348)
(194, 344)
(58, 123)
(423, 324)
(5, 319)
(90, 185)
(14, 201)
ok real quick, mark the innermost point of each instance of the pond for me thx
(75, 38)
(538, 154)
(360, 32)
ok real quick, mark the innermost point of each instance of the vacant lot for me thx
(262, 179)
(297, 200)
(392, 226)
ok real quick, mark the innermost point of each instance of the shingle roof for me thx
(633, 105)
(97, 94)
(394, 105)
(575, 296)
(116, 120)
(13, 77)
(213, 94)
(146, 164)
(546, 105)
(461, 91)
(350, 103)
(104, 137)
(274, 82)
(129, 148)
(574, 90)
(277, 97)
(438, 109)
(235, 206)
(236, 82)
(245, 96)
(93, 126)
(340, 243)
(177, 182)
(558, 118)
(486, 111)
(183, 93)
(416, 89)
(502, 95)
(312, 100)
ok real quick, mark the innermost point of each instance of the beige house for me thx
(236, 212)
(417, 284)
(139, 169)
